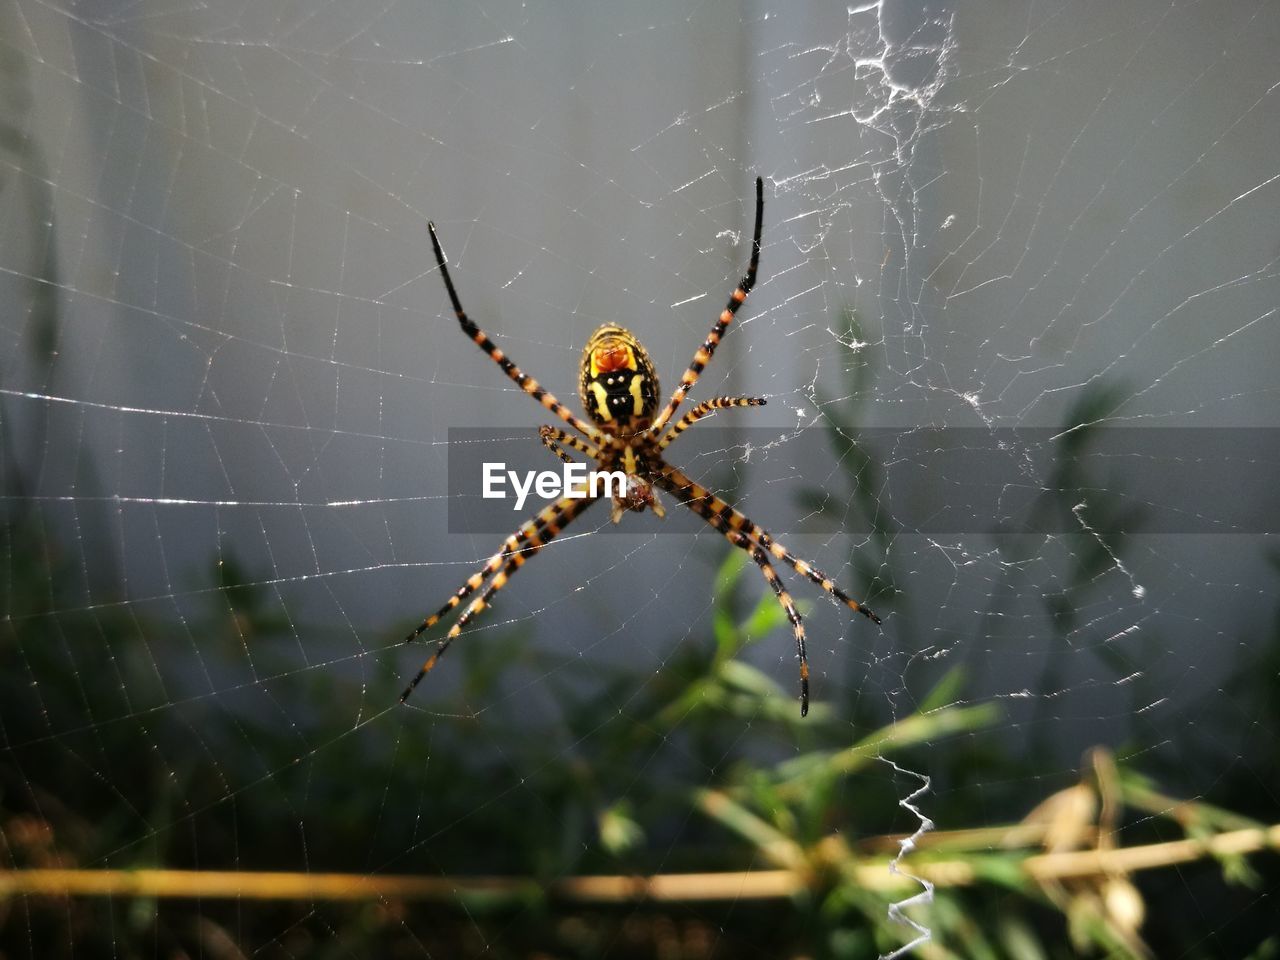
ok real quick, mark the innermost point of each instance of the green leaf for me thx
(619, 831)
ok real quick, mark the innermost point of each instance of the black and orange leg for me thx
(546, 528)
(553, 437)
(710, 507)
(705, 409)
(809, 571)
(740, 540)
(551, 516)
(523, 380)
(704, 353)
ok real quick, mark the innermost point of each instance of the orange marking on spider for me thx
(612, 356)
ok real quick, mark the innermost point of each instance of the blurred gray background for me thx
(224, 336)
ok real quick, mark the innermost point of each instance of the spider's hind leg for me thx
(481, 339)
(702, 356)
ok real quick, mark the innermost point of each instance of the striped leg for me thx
(704, 353)
(550, 516)
(566, 510)
(711, 508)
(523, 380)
(705, 409)
(739, 539)
(553, 437)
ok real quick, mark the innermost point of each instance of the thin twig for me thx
(737, 885)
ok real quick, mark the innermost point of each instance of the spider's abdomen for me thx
(619, 388)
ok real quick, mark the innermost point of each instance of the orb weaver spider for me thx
(619, 391)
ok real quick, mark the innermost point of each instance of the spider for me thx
(619, 391)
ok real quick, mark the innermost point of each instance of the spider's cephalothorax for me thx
(637, 458)
(617, 382)
(620, 394)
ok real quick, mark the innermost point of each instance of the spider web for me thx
(230, 373)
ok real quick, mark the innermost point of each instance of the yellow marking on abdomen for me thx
(602, 400)
(637, 401)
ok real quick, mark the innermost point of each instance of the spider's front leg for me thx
(515, 550)
(740, 540)
(707, 505)
(756, 552)
(755, 540)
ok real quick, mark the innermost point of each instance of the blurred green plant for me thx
(606, 795)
